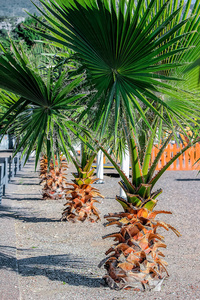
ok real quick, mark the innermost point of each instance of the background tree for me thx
(53, 178)
(81, 199)
(42, 114)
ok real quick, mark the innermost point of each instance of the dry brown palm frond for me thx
(53, 178)
(80, 206)
(136, 257)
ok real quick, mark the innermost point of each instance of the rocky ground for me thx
(42, 258)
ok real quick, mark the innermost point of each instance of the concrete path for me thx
(9, 277)
(42, 258)
(9, 283)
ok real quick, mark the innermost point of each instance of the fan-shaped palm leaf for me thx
(42, 112)
(123, 45)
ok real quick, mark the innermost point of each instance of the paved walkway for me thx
(9, 213)
(42, 258)
(9, 283)
(9, 280)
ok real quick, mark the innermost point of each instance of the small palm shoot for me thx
(135, 260)
(53, 178)
(80, 203)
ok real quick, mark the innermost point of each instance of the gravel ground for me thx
(58, 260)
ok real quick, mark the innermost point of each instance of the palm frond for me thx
(41, 115)
(123, 45)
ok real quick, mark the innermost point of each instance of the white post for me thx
(6, 171)
(22, 161)
(125, 169)
(32, 154)
(17, 162)
(100, 167)
(1, 182)
(13, 168)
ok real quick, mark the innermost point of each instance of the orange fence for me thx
(185, 162)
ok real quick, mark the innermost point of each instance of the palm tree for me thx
(41, 115)
(135, 260)
(42, 122)
(53, 177)
(80, 203)
(134, 53)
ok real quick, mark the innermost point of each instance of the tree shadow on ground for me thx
(27, 183)
(26, 177)
(7, 261)
(115, 175)
(62, 268)
(188, 179)
(6, 212)
(26, 199)
(110, 174)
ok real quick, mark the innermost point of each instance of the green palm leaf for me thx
(42, 115)
(122, 46)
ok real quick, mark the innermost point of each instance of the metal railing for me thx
(9, 167)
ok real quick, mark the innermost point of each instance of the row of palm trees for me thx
(123, 81)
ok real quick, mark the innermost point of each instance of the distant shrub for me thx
(21, 32)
